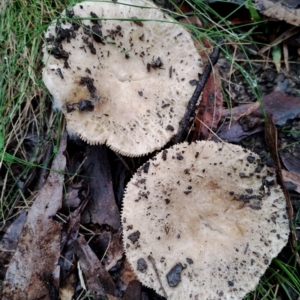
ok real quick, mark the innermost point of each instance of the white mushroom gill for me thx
(209, 215)
(139, 70)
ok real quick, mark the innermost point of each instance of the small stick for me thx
(192, 103)
(152, 260)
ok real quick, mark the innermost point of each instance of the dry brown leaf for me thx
(293, 178)
(281, 106)
(291, 162)
(9, 242)
(127, 273)
(68, 286)
(210, 107)
(102, 208)
(114, 252)
(133, 291)
(29, 272)
(71, 227)
(286, 10)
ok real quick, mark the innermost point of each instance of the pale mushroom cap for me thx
(211, 207)
(137, 108)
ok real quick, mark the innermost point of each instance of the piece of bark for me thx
(99, 281)
(29, 272)
(9, 242)
(102, 208)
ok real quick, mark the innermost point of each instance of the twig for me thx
(192, 103)
(152, 260)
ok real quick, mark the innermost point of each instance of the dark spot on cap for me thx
(230, 283)
(85, 105)
(249, 191)
(189, 261)
(141, 38)
(164, 154)
(167, 201)
(97, 34)
(170, 127)
(255, 204)
(179, 156)
(89, 83)
(193, 82)
(134, 237)
(242, 175)
(70, 107)
(251, 159)
(273, 218)
(141, 265)
(146, 167)
(140, 93)
(174, 275)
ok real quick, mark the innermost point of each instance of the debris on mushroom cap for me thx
(210, 215)
(120, 72)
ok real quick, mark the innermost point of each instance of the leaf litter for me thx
(248, 119)
(29, 271)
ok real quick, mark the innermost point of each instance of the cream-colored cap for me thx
(132, 70)
(210, 215)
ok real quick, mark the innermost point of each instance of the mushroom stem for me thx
(201, 83)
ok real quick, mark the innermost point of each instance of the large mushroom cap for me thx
(210, 215)
(120, 80)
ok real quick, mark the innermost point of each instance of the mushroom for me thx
(203, 221)
(121, 73)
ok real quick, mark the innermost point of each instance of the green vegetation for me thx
(30, 130)
(28, 127)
